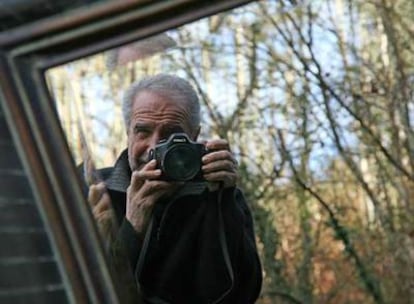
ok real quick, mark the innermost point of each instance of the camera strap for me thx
(223, 242)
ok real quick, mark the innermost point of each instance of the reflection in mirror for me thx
(315, 101)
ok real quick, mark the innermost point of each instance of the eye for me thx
(142, 130)
(171, 130)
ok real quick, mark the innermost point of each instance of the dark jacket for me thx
(199, 246)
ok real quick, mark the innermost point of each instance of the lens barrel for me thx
(181, 162)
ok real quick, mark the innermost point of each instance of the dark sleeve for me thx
(123, 254)
(242, 246)
(131, 241)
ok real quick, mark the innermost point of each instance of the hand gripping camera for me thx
(179, 158)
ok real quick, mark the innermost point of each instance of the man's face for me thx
(153, 118)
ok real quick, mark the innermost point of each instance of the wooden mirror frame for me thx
(26, 52)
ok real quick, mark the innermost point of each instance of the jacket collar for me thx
(120, 176)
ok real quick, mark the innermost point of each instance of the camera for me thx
(179, 158)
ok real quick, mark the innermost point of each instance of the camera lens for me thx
(181, 163)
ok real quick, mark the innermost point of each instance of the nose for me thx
(152, 141)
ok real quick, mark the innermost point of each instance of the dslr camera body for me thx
(179, 158)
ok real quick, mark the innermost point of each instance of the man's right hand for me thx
(143, 193)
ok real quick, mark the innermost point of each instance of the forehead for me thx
(157, 109)
(147, 101)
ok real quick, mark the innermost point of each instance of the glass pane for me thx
(315, 100)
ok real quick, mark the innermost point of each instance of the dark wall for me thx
(29, 271)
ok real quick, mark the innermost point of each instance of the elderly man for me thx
(185, 242)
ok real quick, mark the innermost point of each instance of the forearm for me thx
(123, 253)
(128, 243)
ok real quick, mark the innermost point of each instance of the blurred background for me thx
(316, 99)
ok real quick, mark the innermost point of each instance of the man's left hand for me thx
(219, 165)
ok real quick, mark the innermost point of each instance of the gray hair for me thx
(174, 87)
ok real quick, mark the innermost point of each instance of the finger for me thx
(218, 155)
(219, 176)
(221, 165)
(104, 204)
(105, 216)
(141, 203)
(95, 193)
(217, 144)
(145, 192)
(107, 226)
(153, 187)
(229, 179)
(137, 180)
(149, 171)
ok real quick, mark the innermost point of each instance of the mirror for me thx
(315, 99)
